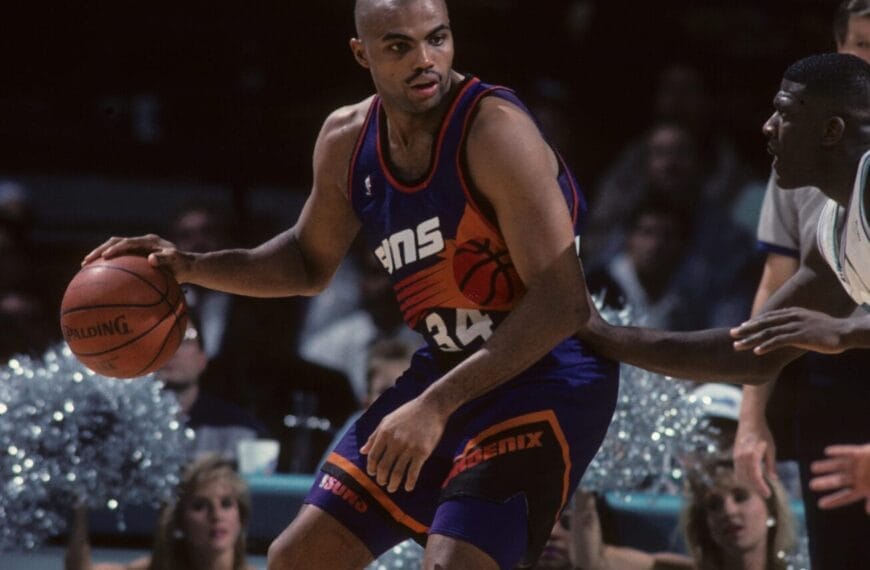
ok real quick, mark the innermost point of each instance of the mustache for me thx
(423, 72)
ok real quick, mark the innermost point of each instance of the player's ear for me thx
(359, 52)
(833, 132)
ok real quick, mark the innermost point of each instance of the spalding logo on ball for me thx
(122, 317)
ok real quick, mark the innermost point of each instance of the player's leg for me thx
(524, 449)
(469, 532)
(316, 540)
(445, 552)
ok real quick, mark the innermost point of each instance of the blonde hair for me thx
(170, 548)
(699, 540)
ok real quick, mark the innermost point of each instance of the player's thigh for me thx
(444, 552)
(316, 540)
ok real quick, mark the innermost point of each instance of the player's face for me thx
(736, 517)
(857, 40)
(210, 519)
(408, 49)
(793, 134)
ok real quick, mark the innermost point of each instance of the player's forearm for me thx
(551, 309)
(754, 403)
(857, 332)
(276, 268)
(698, 355)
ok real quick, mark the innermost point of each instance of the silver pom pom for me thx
(656, 427)
(407, 556)
(68, 434)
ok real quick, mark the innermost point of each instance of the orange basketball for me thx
(485, 276)
(122, 317)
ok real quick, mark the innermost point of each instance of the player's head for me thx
(407, 46)
(852, 28)
(821, 116)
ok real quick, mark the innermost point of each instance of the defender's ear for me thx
(835, 128)
(359, 52)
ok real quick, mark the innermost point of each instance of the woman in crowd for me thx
(726, 526)
(203, 528)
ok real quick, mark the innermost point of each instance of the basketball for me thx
(485, 276)
(122, 317)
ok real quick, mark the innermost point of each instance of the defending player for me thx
(475, 218)
(818, 133)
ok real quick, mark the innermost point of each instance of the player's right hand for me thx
(754, 456)
(160, 252)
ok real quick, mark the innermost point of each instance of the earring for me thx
(178, 534)
(771, 522)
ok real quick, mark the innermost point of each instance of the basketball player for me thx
(478, 446)
(819, 135)
(819, 395)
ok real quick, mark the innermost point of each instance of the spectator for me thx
(219, 425)
(203, 527)
(726, 525)
(248, 341)
(344, 345)
(643, 272)
(672, 166)
(24, 325)
(387, 361)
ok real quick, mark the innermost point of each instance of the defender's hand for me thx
(800, 328)
(401, 444)
(846, 472)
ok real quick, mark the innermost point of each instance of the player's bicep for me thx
(814, 287)
(515, 170)
(327, 224)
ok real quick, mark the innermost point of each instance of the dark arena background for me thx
(115, 116)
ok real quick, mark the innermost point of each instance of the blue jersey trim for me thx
(773, 248)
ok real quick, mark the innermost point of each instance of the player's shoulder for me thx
(498, 122)
(345, 123)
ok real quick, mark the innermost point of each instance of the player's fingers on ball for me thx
(398, 474)
(97, 252)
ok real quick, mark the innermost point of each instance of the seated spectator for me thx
(219, 425)
(643, 272)
(25, 325)
(387, 361)
(203, 527)
(344, 345)
(726, 526)
(248, 341)
(719, 263)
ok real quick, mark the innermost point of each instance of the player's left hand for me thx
(800, 328)
(402, 442)
(846, 472)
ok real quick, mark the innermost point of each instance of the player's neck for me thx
(840, 181)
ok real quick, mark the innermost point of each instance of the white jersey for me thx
(844, 238)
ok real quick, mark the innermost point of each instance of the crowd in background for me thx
(659, 114)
